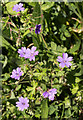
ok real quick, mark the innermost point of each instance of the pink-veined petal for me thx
(36, 53)
(45, 94)
(18, 70)
(22, 9)
(33, 49)
(20, 4)
(60, 59)
(51, 96)
(65, 55)
(68, 64)
(62, 64)
(69, 58)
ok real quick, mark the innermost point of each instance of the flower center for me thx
(17, 74)
(18, 8)
(37, 29)
(23, 103)
(64, 61)
(31, 54)
(23, 53)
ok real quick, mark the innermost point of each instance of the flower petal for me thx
(36, 53)
(60, 59)
(69, 58)
(33, 49)
(20, 4)
(53, 91)
(68, 64)
(62, 64)
(45, 94)
(20, 98)
(22, 9)
(18, 69)
(65, 55)
(51, 96)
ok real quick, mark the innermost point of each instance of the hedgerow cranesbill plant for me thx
(50, 94)
(65, 60)
(27, 53)
(42, 75)
(17, 73)
(23, 103)
(18, 7)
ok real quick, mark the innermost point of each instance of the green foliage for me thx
(44, 109)
(32, 89)
(47, 6)
(36, 14)
(51, 110)
(75, 47)
(61, 32)
(6, 44)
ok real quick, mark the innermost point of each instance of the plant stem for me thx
(78, 8)
(62, 112)
(44, 41)
(75, 35)
(73, 9)
(20, 81)
(55, 37)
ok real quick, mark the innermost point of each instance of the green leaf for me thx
(44, 109)
(67, 103)
(37, 115)
(5, 62)
(67, 34)
(47, 5)
(12, 95)
(77, 80)
(6, 76)
(25, 12)
(18, 87)
(61, 49)
(31, 3)
(6, 44)
(37, 102)
(75, 47)
(32, 89)
(12, 109)
(63, 28)
(60, 73)
(75, 88)
(24, 113)
(41, 75)
(62, 37)
(53, 46)
(75, 108)
(36, 13)
(68, 112)
(27, 32)
(6, 21)
(35, 40)
(51, 110)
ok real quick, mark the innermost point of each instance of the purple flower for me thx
(45, 94)
(37, 30)
(31, 53)
(65, 60)
(23, 103)
(50, 94)
(16, 73)
(27, 53)
(18, 7)
(23, 52)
